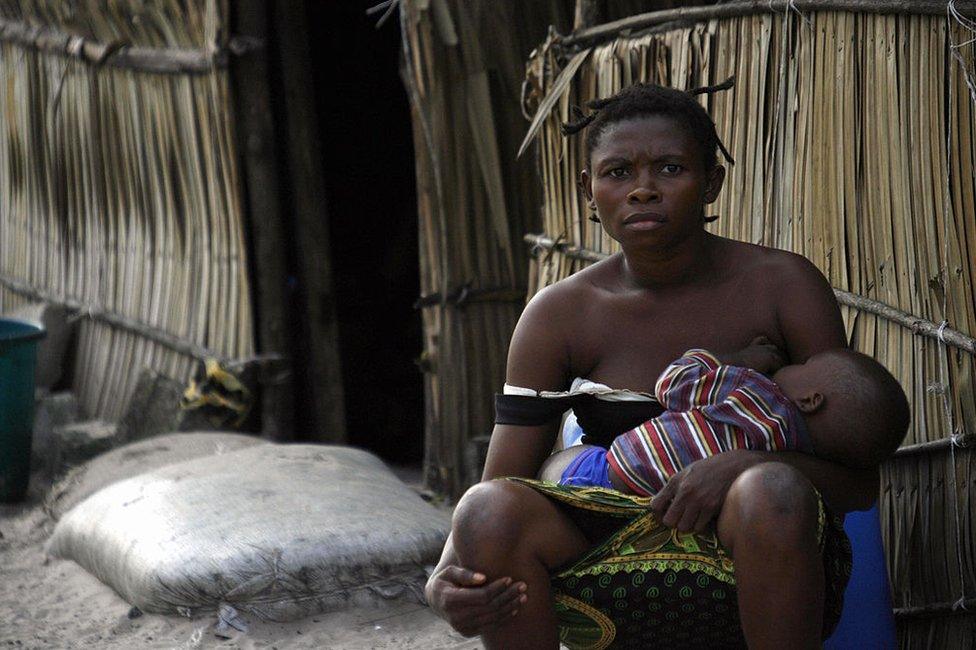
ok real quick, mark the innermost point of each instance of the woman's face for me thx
(648, 184)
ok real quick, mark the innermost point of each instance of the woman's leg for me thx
(505, 529)
(769, 522)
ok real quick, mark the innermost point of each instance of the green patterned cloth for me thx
(647, 585)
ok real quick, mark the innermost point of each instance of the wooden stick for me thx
(612, 30)
(918, 325)
(964, 607)
(117, 321)
(322, 365)
(118, 54)
(961, 442)
(252, 96)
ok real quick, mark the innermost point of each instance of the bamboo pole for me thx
(962, 607)
(117, 321)
(917, 324)
(958, 441)
(119, 54)
(612, 30)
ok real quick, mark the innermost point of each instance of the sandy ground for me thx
(52, 603)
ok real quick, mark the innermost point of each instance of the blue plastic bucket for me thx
(18, 356)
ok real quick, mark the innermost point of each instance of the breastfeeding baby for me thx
(840, 405)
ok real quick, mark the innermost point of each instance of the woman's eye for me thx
(617, 172)
(671, 168)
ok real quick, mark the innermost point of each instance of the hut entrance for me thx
(367, 157)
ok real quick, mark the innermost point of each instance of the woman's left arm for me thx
(694, 496)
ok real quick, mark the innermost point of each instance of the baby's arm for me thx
(760, 355)
(689, 381)
(696, 379)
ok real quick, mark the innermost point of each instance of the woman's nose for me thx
(644, 193)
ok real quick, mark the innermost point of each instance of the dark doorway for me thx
(369, 175)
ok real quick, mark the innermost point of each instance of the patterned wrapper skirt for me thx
(647, 585)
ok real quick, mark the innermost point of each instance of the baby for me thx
(840, 405)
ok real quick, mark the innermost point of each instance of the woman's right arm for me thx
(538, 358)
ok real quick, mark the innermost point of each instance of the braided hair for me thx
(643, 100)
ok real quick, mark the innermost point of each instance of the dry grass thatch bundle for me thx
(120, 187)
(474, 207)
(852, 133)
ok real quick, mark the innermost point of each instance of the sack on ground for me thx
(137, 458)
(278, 531)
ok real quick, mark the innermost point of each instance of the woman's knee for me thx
(489, 519)
(500, 524)
(771, 504)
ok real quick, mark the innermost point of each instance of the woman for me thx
(651, 168)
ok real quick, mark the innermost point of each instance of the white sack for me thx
(137, 458)
(280, 531)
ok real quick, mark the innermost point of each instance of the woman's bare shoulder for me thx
(772, 265)
(804, 302)
(544, 338)
(568, 295)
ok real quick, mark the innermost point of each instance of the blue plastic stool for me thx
(867, 621)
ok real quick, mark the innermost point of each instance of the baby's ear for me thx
(810, 403)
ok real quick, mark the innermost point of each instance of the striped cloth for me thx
(711, 408)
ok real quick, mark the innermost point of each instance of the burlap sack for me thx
(279, 531)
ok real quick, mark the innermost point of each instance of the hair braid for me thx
(641, 100)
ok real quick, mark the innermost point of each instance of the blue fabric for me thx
(867, 621)
(572, 433)
(589, 469)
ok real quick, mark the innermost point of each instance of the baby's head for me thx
(856, 412)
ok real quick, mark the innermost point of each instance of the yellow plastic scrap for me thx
(222, 391)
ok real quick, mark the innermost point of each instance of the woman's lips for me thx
(645, 220)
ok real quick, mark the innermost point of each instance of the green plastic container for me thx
(18, 356)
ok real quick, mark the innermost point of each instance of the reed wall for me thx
(474, 205)
(852, 134)
(119, 185)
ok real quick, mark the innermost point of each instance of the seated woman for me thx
(527, 564)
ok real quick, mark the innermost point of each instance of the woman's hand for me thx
(694, 496)
(462, 598)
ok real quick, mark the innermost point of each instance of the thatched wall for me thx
(853, 139)
(119, 185)
(474, 206)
